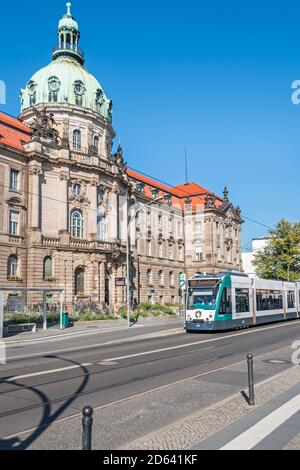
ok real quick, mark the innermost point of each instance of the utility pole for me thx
(157, 199)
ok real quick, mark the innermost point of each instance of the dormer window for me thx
(99, 99)
(32, 92)
(54, 86)
(79, 91)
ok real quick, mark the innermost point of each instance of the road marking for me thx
(86, 348)
(155, 351)
(122, 400)
(257, 433)
(107, 364)
(133, 397)
(48, 339)
(46, 372)
(131, 339)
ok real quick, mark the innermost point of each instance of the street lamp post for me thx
(157, 199)
(289, 266)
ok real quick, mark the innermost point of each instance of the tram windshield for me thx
(202, 298)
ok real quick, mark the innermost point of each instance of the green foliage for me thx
(146, 311)
(281, 258)
(146, 307)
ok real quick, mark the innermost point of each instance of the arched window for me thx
(12, 267)
(171, 278)
(48, 268)
(96, 143)
(161, 278)
(149, 277)
(77, 140)
(79, 281)
(76, 224)
(68, 39)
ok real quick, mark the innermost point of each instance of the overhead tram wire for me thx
(154, 179)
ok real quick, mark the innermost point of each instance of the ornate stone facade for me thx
(67, 203)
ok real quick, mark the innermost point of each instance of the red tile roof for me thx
(13, 132)
(180, 193)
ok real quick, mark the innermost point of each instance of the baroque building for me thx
(67, 202)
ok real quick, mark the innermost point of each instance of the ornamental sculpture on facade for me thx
(43, 126)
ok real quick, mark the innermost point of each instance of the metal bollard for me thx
(87, 427)
(251, 380)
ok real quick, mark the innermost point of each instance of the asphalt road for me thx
(45, 382)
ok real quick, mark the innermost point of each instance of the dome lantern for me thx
(65, 81)
(68, 38)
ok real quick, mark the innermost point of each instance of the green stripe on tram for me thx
(226, 284)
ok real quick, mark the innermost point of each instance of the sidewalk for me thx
(223, 423)
(80, 328)
(272, 426)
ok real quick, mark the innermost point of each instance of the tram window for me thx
(291, 299)
(242, 300)
(269, 300)
(226, 306)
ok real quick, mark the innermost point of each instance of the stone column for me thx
(132, 210)
(102, 283)
(114, 293)
(92, 212)
(63, 207)
(115, 212)
(34, 189)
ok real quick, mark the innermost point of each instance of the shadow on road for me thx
(48, 416)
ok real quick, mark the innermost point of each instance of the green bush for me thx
(146, 307)
(146, 311)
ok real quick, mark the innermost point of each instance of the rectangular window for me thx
(199, 254)
(160, 250)
(198, 230)
(149, 248)
(291, 299)
(53, 97)
(242, 300)
(269, 300)
(226, 305)
(14, 223)
(179, 228)
(32, 99)
(14, 180)
(171, 252)
(79, 100)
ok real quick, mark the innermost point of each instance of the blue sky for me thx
(212, 75)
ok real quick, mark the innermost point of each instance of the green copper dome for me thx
(65, 80)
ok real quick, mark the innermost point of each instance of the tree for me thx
(281, 258)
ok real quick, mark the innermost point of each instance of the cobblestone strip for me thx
(196, 428)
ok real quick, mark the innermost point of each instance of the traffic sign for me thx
(182, 281)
